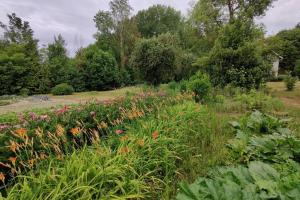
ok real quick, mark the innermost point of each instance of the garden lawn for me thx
(30, 103)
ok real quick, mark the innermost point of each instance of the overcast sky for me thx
(74, 18)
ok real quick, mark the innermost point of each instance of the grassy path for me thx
(32, 103)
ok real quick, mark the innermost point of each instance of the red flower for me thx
(118, 132)
(155, 135)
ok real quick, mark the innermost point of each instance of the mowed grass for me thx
(36, 105)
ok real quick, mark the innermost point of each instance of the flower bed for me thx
(59, 132)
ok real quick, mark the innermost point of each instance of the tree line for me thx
(157, 45)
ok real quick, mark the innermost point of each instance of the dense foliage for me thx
(154, 59)
(236, 57)
(200, 85)
(270, 153)
(290, 82)
(157, 20)
(287, 44)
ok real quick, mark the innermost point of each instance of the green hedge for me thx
(62, 89)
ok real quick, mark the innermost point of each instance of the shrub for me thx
(201, 86)
(183, 86)
(62, 89)
(184, 65)
(24, 92)
(290, 82)
(154, 59)
(236, 57)
(101, 71)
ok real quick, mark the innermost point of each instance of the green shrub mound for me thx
(62, 89)
(201, 86)
(290, 82)
(267, 164)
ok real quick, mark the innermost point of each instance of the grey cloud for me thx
(74, 18)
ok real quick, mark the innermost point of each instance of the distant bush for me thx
(24, 92)
(290, 82)
(62, 89)
(201, 86)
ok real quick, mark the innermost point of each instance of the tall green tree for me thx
(158, 19)
(236, 57)
(20, 57)
(154, 59)
(113, 25)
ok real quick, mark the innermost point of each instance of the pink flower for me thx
(21, 118)
(44, 117)
(3, 127)
(118, 132)
(62, 110)
(33, 116)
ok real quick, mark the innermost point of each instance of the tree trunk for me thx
(230, 9)
(122, 53)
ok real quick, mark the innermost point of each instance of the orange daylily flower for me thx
(21, 132)
(124, 150)
(2, 177)
(14, 146)
(75, 131)
(124, 138)
(31, 162)
(155, 135)
(13, 160)
(60, 130)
